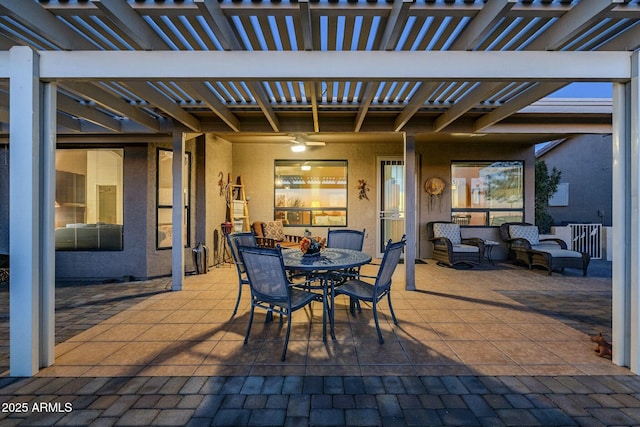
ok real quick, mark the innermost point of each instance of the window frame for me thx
(311, 212)
(488, 211)
(187, 207)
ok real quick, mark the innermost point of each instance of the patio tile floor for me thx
(503, 346)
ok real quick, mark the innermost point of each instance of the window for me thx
(164, 199)
(311, 193)
(487, 193)
(88, 206)
(561, 196)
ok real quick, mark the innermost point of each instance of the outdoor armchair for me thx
(271, 233)
(360, 290)
(449, 248)
(526, 246)
(270, 287)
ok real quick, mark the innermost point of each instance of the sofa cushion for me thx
(528, 232)
(274, 230)
(465, 248)
(450, 231)
(557, 252)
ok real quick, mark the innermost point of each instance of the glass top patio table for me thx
(329, 259)
(323, 263)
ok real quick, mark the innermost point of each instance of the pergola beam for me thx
(219, 23)
(262, 99)
(201, 91)
(629, 40)
(361, 65)
(365, 102)
(68, 123)
(417, 101)
(528, 97)
(476, 95)
(39, 20)
(566, 27)
(395, 24)
(312, 98)
(145, 91)
(306, 24)
(113, 103)
(482, 24)
(577, 18)
(131, 23)
(71, 106)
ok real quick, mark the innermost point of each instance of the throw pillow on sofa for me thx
(274, 230)
(528, 232)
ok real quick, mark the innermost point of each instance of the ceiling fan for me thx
(300, 142)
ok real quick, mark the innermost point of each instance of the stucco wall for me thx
(218, 154)
(255, 162)
(436, 161)
(585, 162)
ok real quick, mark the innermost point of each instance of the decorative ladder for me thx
(238, 207)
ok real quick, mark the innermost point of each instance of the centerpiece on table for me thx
(311, 245)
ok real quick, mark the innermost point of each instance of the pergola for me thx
(141, 70)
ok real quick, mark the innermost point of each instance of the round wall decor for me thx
(434, 186)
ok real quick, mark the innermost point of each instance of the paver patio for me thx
(504, 346)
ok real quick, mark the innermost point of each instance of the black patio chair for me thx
(357, 289)
(270, 287)
(345, 239)
(235, 240)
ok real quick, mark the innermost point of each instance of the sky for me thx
(585, 90)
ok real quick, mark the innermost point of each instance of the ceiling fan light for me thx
(298, 148)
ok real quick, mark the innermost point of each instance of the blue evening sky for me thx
(585, 90)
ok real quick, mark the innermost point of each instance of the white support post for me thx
(621, 201)
(410, 210)
(47, 224)
(24, 212)
(177, 215)
(633, 249)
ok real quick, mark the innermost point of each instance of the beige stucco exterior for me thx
(255, 162)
